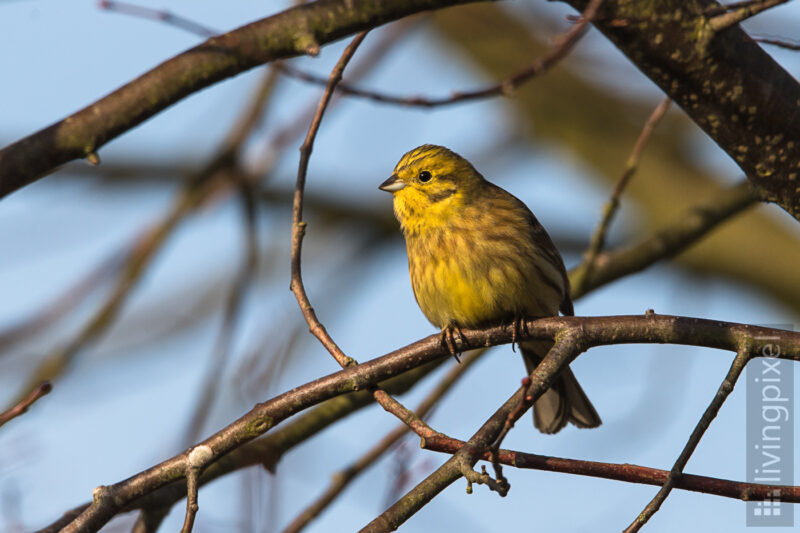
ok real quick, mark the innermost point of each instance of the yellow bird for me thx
(477, 256)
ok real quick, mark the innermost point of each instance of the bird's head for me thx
(429, 184)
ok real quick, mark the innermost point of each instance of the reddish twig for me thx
(624, 472)
(22, 406)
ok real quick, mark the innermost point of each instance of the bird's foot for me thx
(448, 340)
(518, 326)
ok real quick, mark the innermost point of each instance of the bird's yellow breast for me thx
(470, 272)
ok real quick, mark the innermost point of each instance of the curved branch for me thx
(296, 31)
(593, 331)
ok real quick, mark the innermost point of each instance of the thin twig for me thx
(725, 388)
(563, 45)
(610, 209)
(624, 472)
(343, 478)
(196, 460)
(298, 232)
(694, 223)
(781, 43)
(299, 227)
(22, 406)
(159, 15)
(525, 401)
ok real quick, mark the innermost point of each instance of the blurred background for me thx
(196, 331)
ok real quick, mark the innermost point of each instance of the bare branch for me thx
(610, 209)
(343, 478)
(593, 331)
(741, 13)
(295, 31)
(624, 472)
(744, 100)
(739, 362)
(781, 43)
(563, 45)
(569, 343)
(695, 223)
(299, 227)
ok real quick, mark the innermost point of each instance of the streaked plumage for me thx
(478, 256)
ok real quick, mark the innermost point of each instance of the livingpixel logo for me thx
(770, 420)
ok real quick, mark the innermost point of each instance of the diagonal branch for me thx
(739, 95)
(694, 224)
(22, 406)
(598, 239)
(295, 31)
(594, 331)
(725, 388)
(343, 478)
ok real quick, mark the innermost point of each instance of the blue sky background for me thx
(124, 405)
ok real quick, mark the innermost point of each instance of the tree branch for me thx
(563, 45)
(724, 81)
(710, 413)
(343, 478)
(691, 226)
(598, 239)
(624, 472)
(594, 331)
(295, 31)
(22, 406)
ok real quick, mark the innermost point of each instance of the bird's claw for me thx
(448, 340)
(519, 325)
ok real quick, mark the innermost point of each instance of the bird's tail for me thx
(564, 401)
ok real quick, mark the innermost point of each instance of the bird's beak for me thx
(393, 184)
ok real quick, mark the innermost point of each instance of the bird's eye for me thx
(425, 176)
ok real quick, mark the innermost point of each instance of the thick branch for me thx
(296, 31)
(593, 331)
(745, 101)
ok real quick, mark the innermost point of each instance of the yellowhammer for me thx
(477, 256)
